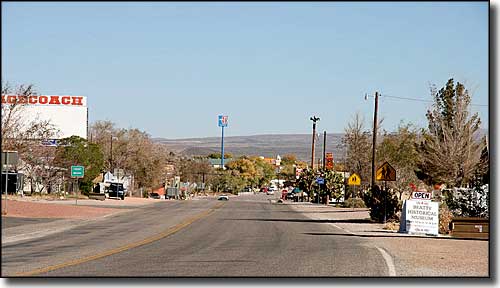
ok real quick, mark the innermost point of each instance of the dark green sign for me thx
(77, 171)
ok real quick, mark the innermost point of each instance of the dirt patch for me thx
(34, 209)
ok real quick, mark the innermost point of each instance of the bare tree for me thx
(25, 133)
(358, 145)
(18, 128)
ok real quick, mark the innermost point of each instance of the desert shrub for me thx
(374, 200)
(445, 217)
(354, 203)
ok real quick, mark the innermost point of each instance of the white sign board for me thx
(420, 217)
(69, 114)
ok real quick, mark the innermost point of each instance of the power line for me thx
(416, 99)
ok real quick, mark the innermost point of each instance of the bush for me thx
(374, 200)
(445, 217)
(354, 203)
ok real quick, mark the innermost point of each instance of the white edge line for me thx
(388, 261)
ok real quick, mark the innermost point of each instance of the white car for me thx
(223, 198)
(271, 190)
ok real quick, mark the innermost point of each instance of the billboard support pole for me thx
(222, 150)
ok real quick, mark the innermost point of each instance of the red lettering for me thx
(3, 99)
(77, 100)
(32, 99)
(11, 99)
(54, 100)
(66, 100)
(43, 99)
(22, 99)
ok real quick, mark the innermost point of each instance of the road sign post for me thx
(385, 173)
(77, 172)
(320, 182)
(354, 180)
(222, 123)
(8, 158)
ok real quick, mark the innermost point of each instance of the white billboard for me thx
(69, 114)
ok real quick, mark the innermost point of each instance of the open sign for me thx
(421, 195)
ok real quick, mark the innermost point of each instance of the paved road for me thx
(246, 236)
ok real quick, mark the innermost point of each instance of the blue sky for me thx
(171, 68)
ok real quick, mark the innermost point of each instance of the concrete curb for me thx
(375, 231)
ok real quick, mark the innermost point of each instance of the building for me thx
(215, 163)
(69, 114)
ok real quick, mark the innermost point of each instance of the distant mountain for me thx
(263, 145)
(258, 145)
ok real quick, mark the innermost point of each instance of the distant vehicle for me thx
(263, 189)
(115, 189)
(270, 192)
(223, 198)
(109, 189)
(294, 193)
(154, 195)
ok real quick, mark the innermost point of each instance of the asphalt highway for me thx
(246, 236)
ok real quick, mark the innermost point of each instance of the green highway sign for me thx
(77, 171)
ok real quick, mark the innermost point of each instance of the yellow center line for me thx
(148, 240)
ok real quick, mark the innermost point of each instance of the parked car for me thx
(115, 189)
(154, 195)
(223, 197)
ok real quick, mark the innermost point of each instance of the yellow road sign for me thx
(354, 180)
(386, 173)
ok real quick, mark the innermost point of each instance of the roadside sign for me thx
(77, 171)
(421, 195)
(9, 158)
(354, 180)
(386, 173)
(50, 142)
(320, 180)
(329, 160)
(420, 217)
(223, 120)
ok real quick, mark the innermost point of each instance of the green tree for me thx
(245, 169)
(334, 184)
(76, 151)
(217, 155)
(265, 171)
(399, 150)
(307, 182)
(451, 149)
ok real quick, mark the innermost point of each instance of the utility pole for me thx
(324, 149)
(314, 119)
(111, 155)
(374, 139)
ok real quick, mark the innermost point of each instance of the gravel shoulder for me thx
(412, 256)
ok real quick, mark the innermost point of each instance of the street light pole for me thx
(314, 119)
(111, 155)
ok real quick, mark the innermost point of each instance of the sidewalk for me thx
(410, 255)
